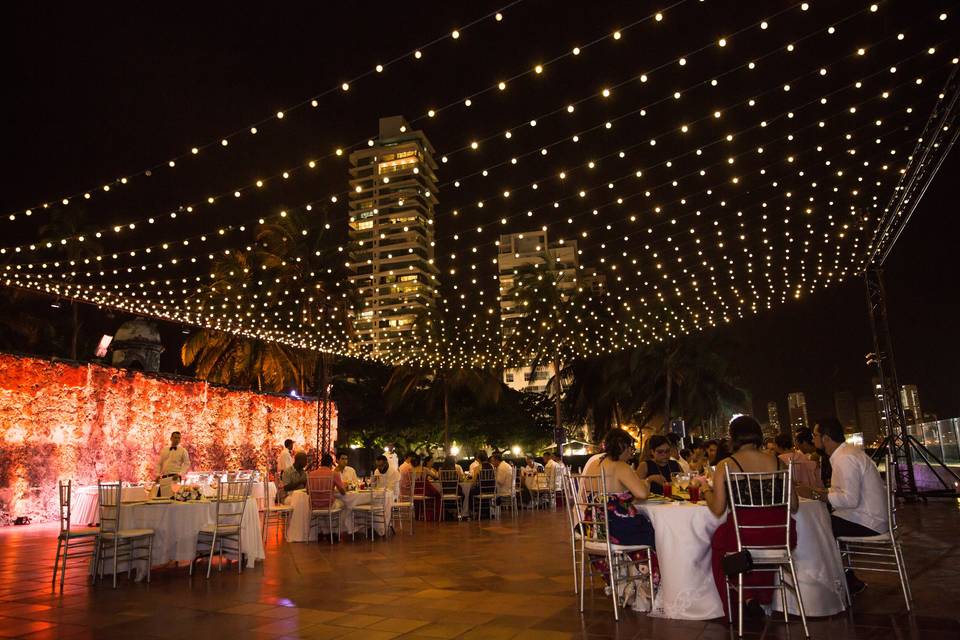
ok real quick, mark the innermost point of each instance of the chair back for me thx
(569, 490)
(749, 490)
(406, 485)
(109, 495)
(509, 490)
(65, 495)
(420, 483)
(320, 489)
(378, 499)
(590, 505)
(230, 495)
(487, 482)
(265, 502)
(449, 481)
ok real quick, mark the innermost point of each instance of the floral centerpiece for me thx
(187, 494)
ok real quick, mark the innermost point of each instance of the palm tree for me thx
(431, 388)
(431, 385)
(541, 326)
(227, 358)
(687, 373)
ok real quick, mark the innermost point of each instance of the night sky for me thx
(95, 92)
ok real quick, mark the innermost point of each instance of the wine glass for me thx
(684, 481)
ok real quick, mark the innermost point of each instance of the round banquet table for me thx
(687, 591)
(299, 529)
(85, 503)
(176, 524)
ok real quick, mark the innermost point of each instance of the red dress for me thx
(725, 541)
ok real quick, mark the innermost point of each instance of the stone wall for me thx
(61, 420)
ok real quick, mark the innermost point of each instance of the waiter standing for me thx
(172, 465)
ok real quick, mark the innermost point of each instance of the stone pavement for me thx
(449, 580)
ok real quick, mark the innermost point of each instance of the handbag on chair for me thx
(733, 564)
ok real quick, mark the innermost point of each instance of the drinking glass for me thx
(667, 490)
(684, 481)
(694, 493)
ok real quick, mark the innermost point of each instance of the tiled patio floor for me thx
(452, 580)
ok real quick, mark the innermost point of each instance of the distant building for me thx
(845, 408)
(910, 398)
(773, 418)
(868, 419)
(797, 410)
(393, 193)
(881, 410)
(518, 250)
(136, 345)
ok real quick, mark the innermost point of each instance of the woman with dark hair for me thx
(658, 467)
(748, 455)
(628, 525)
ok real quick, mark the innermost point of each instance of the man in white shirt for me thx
(674, 441)
(504, 475)
(286, 456)
(172, 465)
(386, 476)
(348, 475)
(857, 493)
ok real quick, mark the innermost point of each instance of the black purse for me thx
(734, 564)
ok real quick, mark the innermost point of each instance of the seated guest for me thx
(674, 440)
(386, 476)
(819, 456)
(427, 465)
(326, 470)
(348, 475)
(423, 486)
(711, 449)
(285, 459)
(295, 477)
(656, 469)
(483, 466)
(628, 525)
(504, 474)
(747, 438)
(770, 446)
(450, 464)
(805, 470)
(406, 467)
(857, 493)
(478, 462)
(532, 465)
(695, 456)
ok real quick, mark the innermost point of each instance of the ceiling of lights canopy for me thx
(710, 160)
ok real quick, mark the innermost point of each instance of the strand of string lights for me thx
(415, 53)
(289, 172)
(311, 164)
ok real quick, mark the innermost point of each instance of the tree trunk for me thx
(75, 330)
(446, 417)
(558, 426)
(666, 408)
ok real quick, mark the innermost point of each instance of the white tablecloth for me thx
(256, 492)
(687, 590)
(683, 532)
(85, 503)
(176, 524)
(819, 567)
(299, 530)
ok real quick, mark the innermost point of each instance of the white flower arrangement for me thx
(188, 494)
